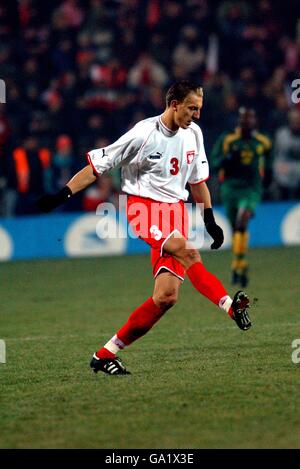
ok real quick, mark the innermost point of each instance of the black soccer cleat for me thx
(240, 305)
(111, 366)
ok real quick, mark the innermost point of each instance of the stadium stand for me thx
(88, 70)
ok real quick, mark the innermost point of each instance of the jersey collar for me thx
(238, 131)
(165, 130)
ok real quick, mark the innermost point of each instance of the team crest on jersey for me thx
(190, 155)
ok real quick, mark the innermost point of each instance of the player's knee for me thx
(188, 257)
(165, 300)
(184, 253)
(240, 226)
(243, 220)
(175, 246)
(191, 256)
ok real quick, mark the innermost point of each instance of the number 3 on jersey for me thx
(175, 166)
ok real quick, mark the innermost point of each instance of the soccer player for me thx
(159, 156)
(241, 158)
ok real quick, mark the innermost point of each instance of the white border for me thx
(169, 270)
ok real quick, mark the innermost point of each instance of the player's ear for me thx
(174, 104)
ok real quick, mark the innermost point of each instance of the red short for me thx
(154, 222)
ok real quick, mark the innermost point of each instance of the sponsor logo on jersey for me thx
(156, 156)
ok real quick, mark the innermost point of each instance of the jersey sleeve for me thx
(268, 151)
(265, 159)
(200, 172)
(118, 153)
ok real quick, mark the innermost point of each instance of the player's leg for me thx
(164, 296)
(205, 282)
(141, 320)
(247, 204)
(240, 244)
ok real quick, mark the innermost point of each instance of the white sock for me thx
(114, 345)
(225, 303)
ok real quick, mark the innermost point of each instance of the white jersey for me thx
(156, 162)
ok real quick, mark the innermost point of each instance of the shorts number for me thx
(156, 233)
(175, 166)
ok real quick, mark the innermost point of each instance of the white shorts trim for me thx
(171, 271)
(162, 246)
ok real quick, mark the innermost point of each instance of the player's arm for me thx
(101, 160)
(80, 181)
(201, 194)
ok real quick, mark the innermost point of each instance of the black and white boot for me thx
(240, 305)
(111, 366)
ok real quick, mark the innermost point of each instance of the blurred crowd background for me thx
(79, 73)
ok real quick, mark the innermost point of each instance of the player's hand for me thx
(48, 202)
(214, 230)
(216, 233)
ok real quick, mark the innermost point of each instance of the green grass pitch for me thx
(197, 380)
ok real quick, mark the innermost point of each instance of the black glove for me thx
(213, 229)
(48, 202)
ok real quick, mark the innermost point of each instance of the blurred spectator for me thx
(111, 74)
(147, 72)
(230, 111)
(96, 16)
(72, 12)
(189, 52)
(95, 128)
(171, 20)
(63, 166)
(5, 133)
(101, 191)
(29, 175)
(278, 113)
(152, 102)
(232, 19)
(62, 163)
(157, 49)
(63, 56)
(287, 157)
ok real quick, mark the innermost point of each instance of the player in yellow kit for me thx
(241, 158)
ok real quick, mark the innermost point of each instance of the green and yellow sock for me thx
(240, 242)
